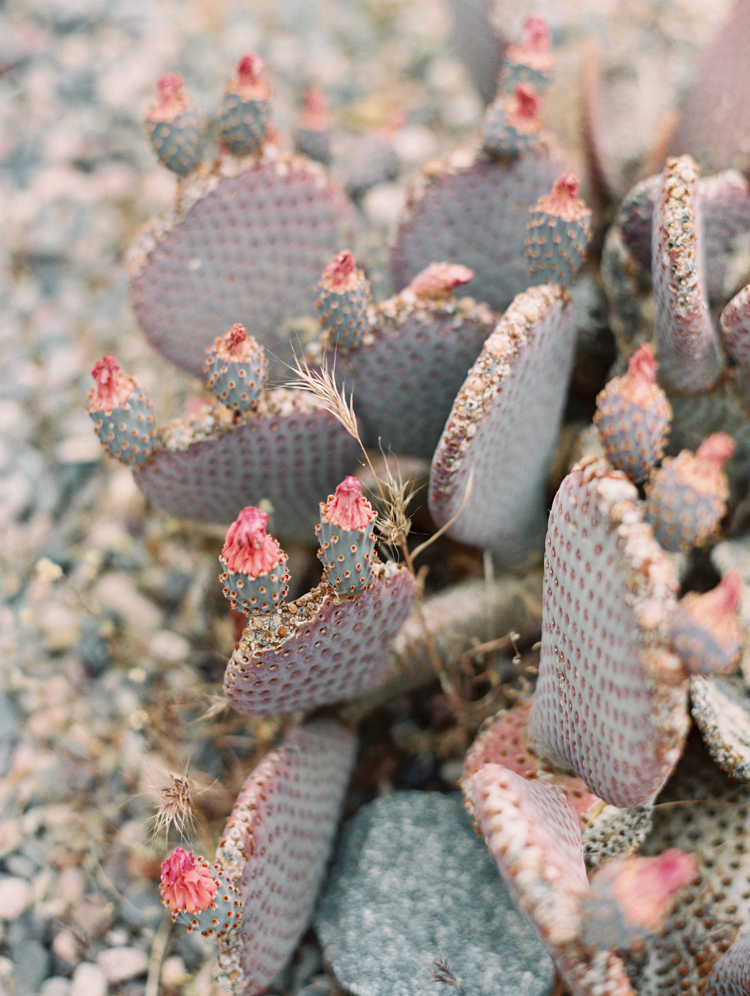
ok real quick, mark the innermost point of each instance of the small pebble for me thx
(15, 897)
(56, 985)
(119, 964)
(88, 980)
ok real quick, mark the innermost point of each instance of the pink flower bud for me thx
(187, 883)
(247, 549)
(348, 508)
(113, 386)
(439, 279)
(341, 274)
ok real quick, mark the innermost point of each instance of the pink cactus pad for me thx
(187, 883)
(247, 549)
(113, 386)
(439, 279)
(348, 508)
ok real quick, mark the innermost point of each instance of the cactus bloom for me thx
(248, 549)
(348, 508)
(113, 386)
(341, 274)
(187, 883)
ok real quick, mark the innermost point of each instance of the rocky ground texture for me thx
(113, 637)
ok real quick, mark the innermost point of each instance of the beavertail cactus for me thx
(347, 539)
(511, 125)
(124, 418)
(489, 472)
(559, 232)
(529, 61)
(705, 629)
(246, 108)
(313, 134)
(236, 369)
(200, 895)
(687, 497)
(255, 574)
(174, 128)
(275, 847)
(633, 417)
(611, 696)
(344, 302)
(686, 343)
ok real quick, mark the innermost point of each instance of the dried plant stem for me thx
(156, 959)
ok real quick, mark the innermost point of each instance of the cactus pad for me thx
(174, 128)
(407, 372)
(276, 844)
(236, 369)
(497, 437)
(533, 834)
(611, 696)
(687, 496)
(344, 303)
(714, 124)
(245, 245)
(686, 346)
(633, 417)
(721, 710)
(511, 125)
(473, 209)
(319, 649)
(559, 232)
(731, 974)
(124, 418)
(287, 452)
(708, 816)
(347, 538)
(242, 121)
(505, 741)
(705, 629)
(530, 61)
(735, 330)
(255, 573)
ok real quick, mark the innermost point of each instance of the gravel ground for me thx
(113, 638)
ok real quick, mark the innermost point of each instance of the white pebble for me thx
(88, 980)
(15, 897)
(122, 963)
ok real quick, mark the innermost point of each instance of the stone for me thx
(15, 897)
(119, 964)
(88, 980)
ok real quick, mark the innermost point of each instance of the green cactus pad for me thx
(275, 846)
(128, 432)
(405, 376)
(344, 303)
(235, 369)
(611, 698)
(178, 144)
(242, 125)
(244, 245)
(286, 452)
(412, 895)
(321, 648)
(500, 440)
(473, 210)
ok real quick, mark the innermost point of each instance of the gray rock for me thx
(31, 967)
(140, 908)
(412, 886)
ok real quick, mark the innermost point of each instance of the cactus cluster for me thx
(467, 369)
